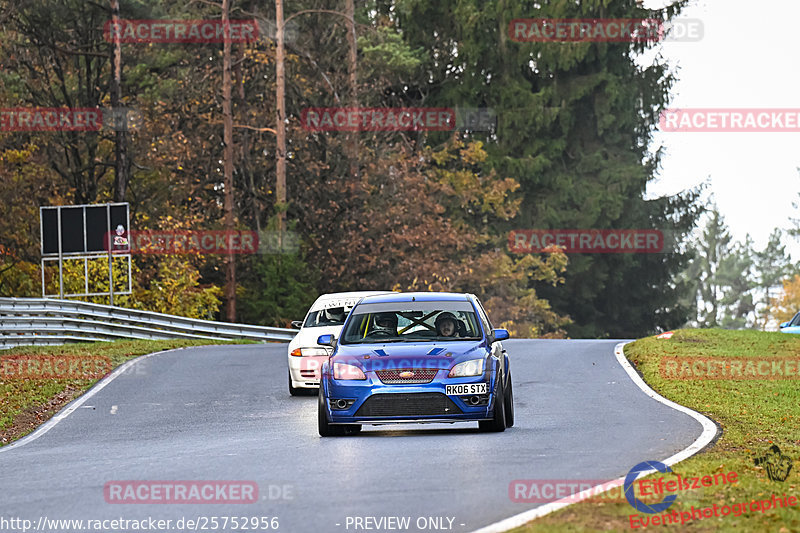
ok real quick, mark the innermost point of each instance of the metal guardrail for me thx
(29, 321)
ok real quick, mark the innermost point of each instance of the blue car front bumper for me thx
(371, 401)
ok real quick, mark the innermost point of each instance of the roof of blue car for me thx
(417, 296)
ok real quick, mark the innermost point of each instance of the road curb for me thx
(706, 437)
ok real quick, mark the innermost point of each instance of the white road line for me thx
(78, 402)
(708, 434)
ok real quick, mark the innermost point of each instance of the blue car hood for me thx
(442, 355)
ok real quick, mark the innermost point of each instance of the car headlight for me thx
(344, 371)
(467, 368)
(307, 352)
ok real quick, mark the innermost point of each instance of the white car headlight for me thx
(467, 368)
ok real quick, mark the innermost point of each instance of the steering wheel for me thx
(380, 332)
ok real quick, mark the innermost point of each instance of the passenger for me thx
(447, 325)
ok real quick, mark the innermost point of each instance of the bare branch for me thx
(245, 126)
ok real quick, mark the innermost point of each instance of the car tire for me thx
(509, 403)
(300, 391)
(294, 391)
(498, 421)
(325, 428)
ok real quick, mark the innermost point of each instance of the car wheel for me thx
(498, 421)
(326, 429)
(509, 403)
(294, 391)
(300, 391)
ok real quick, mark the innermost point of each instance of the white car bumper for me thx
(305, 371)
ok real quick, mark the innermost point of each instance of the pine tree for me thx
(575, 123)
(773, 265)
(737, 277)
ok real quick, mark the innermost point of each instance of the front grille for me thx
(308, 374)
(412, 404)
(420, 375)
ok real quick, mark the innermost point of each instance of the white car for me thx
(326, 316)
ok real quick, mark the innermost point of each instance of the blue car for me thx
(792, 326)
(415, 357)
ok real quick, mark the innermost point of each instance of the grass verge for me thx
(754, 414)
(31, 393)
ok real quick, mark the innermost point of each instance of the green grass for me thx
(27, 403)
(753, 414)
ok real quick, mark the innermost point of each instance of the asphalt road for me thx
(224, 413)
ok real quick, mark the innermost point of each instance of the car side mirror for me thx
(297, 324)
(326, 340)
(784, 325)
(500, 334)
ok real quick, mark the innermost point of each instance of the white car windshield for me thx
(333, 316)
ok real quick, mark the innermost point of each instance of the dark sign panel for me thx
(49, 231)
(83, 228)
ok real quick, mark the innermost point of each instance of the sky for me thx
(747, 58)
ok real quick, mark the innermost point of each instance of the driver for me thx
(335, 315)
(446, 324)
(386, 322)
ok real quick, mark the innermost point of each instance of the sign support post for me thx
(110, 256)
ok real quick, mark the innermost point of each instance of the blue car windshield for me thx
(412, 322)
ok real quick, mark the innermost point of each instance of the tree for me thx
(424, 222)
(794, 231)
(712, 247)
(773, 265)
(227, 159)
(55, 56)
(724, 277)
(122, 165)
(784, 307)
(737, 278)
(575, 126)
(429, 211)
(280, 288)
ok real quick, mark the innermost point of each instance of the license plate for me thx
(466, 388)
